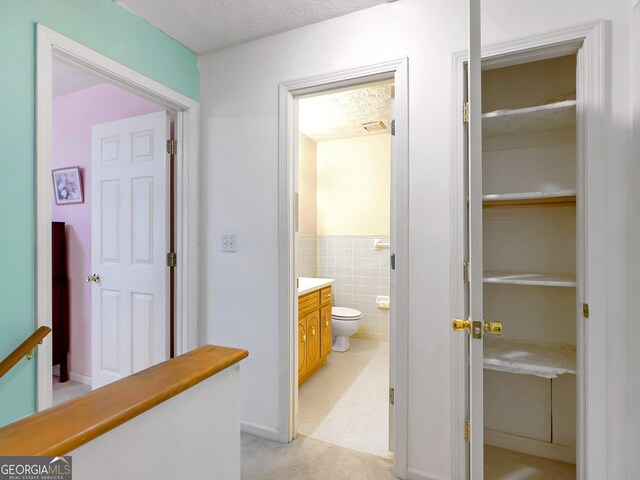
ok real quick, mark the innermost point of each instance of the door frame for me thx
(287, 294)
(592, 41)
(50, 45)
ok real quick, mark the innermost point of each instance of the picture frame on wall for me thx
(67, 186)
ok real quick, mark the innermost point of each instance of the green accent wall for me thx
(111, 30)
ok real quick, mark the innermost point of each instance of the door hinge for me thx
(465, 271)
(172, 259)
(585, 310)
(465, 112)
(393, 127)
(467, 431)
(393, 261)
(172, 147)
(392, 396)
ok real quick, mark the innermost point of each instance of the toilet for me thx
(344, 323)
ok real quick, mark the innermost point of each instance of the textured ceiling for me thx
(341, 114)
(206, 25)
(68, 78)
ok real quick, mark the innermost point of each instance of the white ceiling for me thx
(341, 114)
(206, 25)
(68, 78)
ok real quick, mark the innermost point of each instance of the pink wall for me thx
(73, 117)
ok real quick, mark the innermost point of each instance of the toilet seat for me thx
(345, 313)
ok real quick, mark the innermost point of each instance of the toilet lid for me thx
(345, 313)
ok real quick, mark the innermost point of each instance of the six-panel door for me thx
(129, 185)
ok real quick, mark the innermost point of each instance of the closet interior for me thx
(529, 224)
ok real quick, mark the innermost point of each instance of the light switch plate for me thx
(229, 243)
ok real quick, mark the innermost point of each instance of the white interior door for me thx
(129, 191)
(476, 322)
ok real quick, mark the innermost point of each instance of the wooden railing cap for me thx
(65, 427)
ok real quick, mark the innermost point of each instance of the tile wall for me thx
(307, 255)
(361, 274)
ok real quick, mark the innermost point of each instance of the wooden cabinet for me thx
(326, 338)
(302, 345)
(314, 331)
(59, 300)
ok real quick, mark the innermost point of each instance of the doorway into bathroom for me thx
(343, 245)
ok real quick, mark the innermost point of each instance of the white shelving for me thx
(558, 197)
(535, 279)
(541, 117)
(529, 358)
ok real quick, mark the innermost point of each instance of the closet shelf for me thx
(529, 358)
(538, 118)
(535, 279)
(557, 198)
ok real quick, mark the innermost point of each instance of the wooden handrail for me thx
(58, 430)
(23, 349)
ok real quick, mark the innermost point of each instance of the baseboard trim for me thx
(562, 453)
(76, 377)
(259, 431)
(415, 474)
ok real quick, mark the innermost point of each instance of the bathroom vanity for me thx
(314, 325)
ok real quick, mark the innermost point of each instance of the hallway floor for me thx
(347, 401)
(309, 459)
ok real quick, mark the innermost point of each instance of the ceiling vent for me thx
(374, 126)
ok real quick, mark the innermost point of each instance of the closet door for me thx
(476, 322)
(475, 325)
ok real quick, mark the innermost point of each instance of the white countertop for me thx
(306, 285)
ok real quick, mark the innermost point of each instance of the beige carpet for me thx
(67, 390)
(502, 464)
(309, 459)
(347, 401)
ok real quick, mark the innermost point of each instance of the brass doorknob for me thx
(459, 324)
(94, 277)
(494, 328)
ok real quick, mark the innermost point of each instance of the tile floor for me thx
(502, 464)
(346, 402)
(67, 390)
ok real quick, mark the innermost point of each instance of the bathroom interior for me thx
(343, 245)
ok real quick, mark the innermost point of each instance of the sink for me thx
(306, 284)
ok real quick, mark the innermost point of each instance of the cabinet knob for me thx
(326, 323)
(313, 331)
(304, 338)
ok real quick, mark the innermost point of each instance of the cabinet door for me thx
(302, 345)
(325, 327)
(313, 337)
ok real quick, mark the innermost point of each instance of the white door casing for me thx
(50, 45)
(392, 277)
(288, 92)
(129, 187)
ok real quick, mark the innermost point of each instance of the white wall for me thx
(193, 435)
(240, 100)
(354, 186)
(307, 185)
